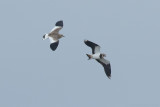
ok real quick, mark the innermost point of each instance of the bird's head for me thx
(102, 55)
(62, 35)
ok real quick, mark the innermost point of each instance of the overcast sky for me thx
(32, 75)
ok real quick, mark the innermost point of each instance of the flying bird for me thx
(54, 35)
(99, 57)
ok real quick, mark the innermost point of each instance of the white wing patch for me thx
(52, 40)
(104, 61)
(97, 49)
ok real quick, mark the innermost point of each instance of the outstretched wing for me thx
(94, 46)
(54, 45)
(107, 67)
(58, 27)
(59, 23)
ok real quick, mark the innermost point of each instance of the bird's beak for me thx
(63, 36)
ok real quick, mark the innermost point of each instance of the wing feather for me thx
(58, 27)
(54, 45)
(55, 30)
(107, 67)
(59, 23)
(95, 48)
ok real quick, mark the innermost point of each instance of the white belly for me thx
(96, 56)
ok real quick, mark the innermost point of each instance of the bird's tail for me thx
(89, 56)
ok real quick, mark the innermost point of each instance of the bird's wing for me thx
(94, 46)
(52, 39)
(58, 26)
(59, 23)
(55, 30)
(107, 67)
(97, 49)
(54, 45)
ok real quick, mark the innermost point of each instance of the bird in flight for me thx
(54, 35)
(99, 57)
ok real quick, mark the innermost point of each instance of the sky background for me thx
(32, 75)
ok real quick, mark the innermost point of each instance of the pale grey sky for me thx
(31, 75)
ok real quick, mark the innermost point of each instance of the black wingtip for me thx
(108, 71)
(90, 44)
(59, 23)
(107, 68)
(109, 77)
(54, 46)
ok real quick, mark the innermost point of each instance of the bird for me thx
(99, 57)
(54, 35)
